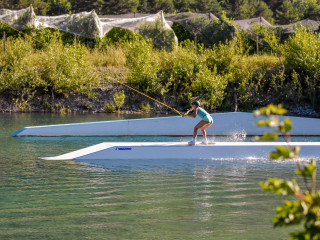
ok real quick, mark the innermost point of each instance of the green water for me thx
(191, 199)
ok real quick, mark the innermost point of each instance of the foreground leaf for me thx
(279, 186)
(308, 170)
(289, 214)
(269, 136)
(285, 153)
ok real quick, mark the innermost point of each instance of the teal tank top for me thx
(204, 115)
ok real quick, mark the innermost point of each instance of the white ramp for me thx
(176, 150)
(223, 124)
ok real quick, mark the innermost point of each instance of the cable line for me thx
(94, 69)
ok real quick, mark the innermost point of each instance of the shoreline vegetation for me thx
(64, 74)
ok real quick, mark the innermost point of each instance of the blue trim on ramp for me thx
(18, 132)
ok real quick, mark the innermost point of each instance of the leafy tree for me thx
(117, 6)
(165, 5)
(201, 5)
(251, 8)
(58, 7)
(39, 6)
(302, 52)
(206, 6)
(294, 10)
(215, 32)
(312, 9)
(306, 206)
(182, 5)
(143, 6)
(232, 8)
(216, 8)
(151, 4)
(273, 4)
(84, 5)
(10, 4)
(287, 13)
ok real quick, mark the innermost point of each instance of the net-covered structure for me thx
(307, 23)
(202, 27)
(252, 28)
(89, 24)
(18, 19)
(85, 24)
(249, 25)
(205, 28)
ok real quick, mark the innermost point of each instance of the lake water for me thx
(191, 199)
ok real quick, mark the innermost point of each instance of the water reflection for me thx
(146, 199)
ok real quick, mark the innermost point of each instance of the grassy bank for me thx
(69, 75)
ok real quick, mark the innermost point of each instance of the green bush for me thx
(143, 66)
(111, 55)
(67, 70)
(257, 79)
(109, 107)
(186, 76)
(16, 74)
(221, 57)
(161, 37)
(225, 55)
(57, 68)
(9, 31)
(302, 54)
(145, 107)
(118, 98)
(52, 64)
(250, 75)
(216, 32)
(181, 33)
(116, 35)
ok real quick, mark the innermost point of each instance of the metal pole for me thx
(258, 36)
(4, 41)
(162, 17)
(260, 22)
(134, 14)
(258, 45)
(235, 100)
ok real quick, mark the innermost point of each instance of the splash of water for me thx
(238, 136)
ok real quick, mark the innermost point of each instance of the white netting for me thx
(282, 31)
(86, 24)
(193, 22)
(307, 23)
(248, 24)
(18, 19)
(152, 26)
(187, 16)
(206, 27)
(132, 23)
